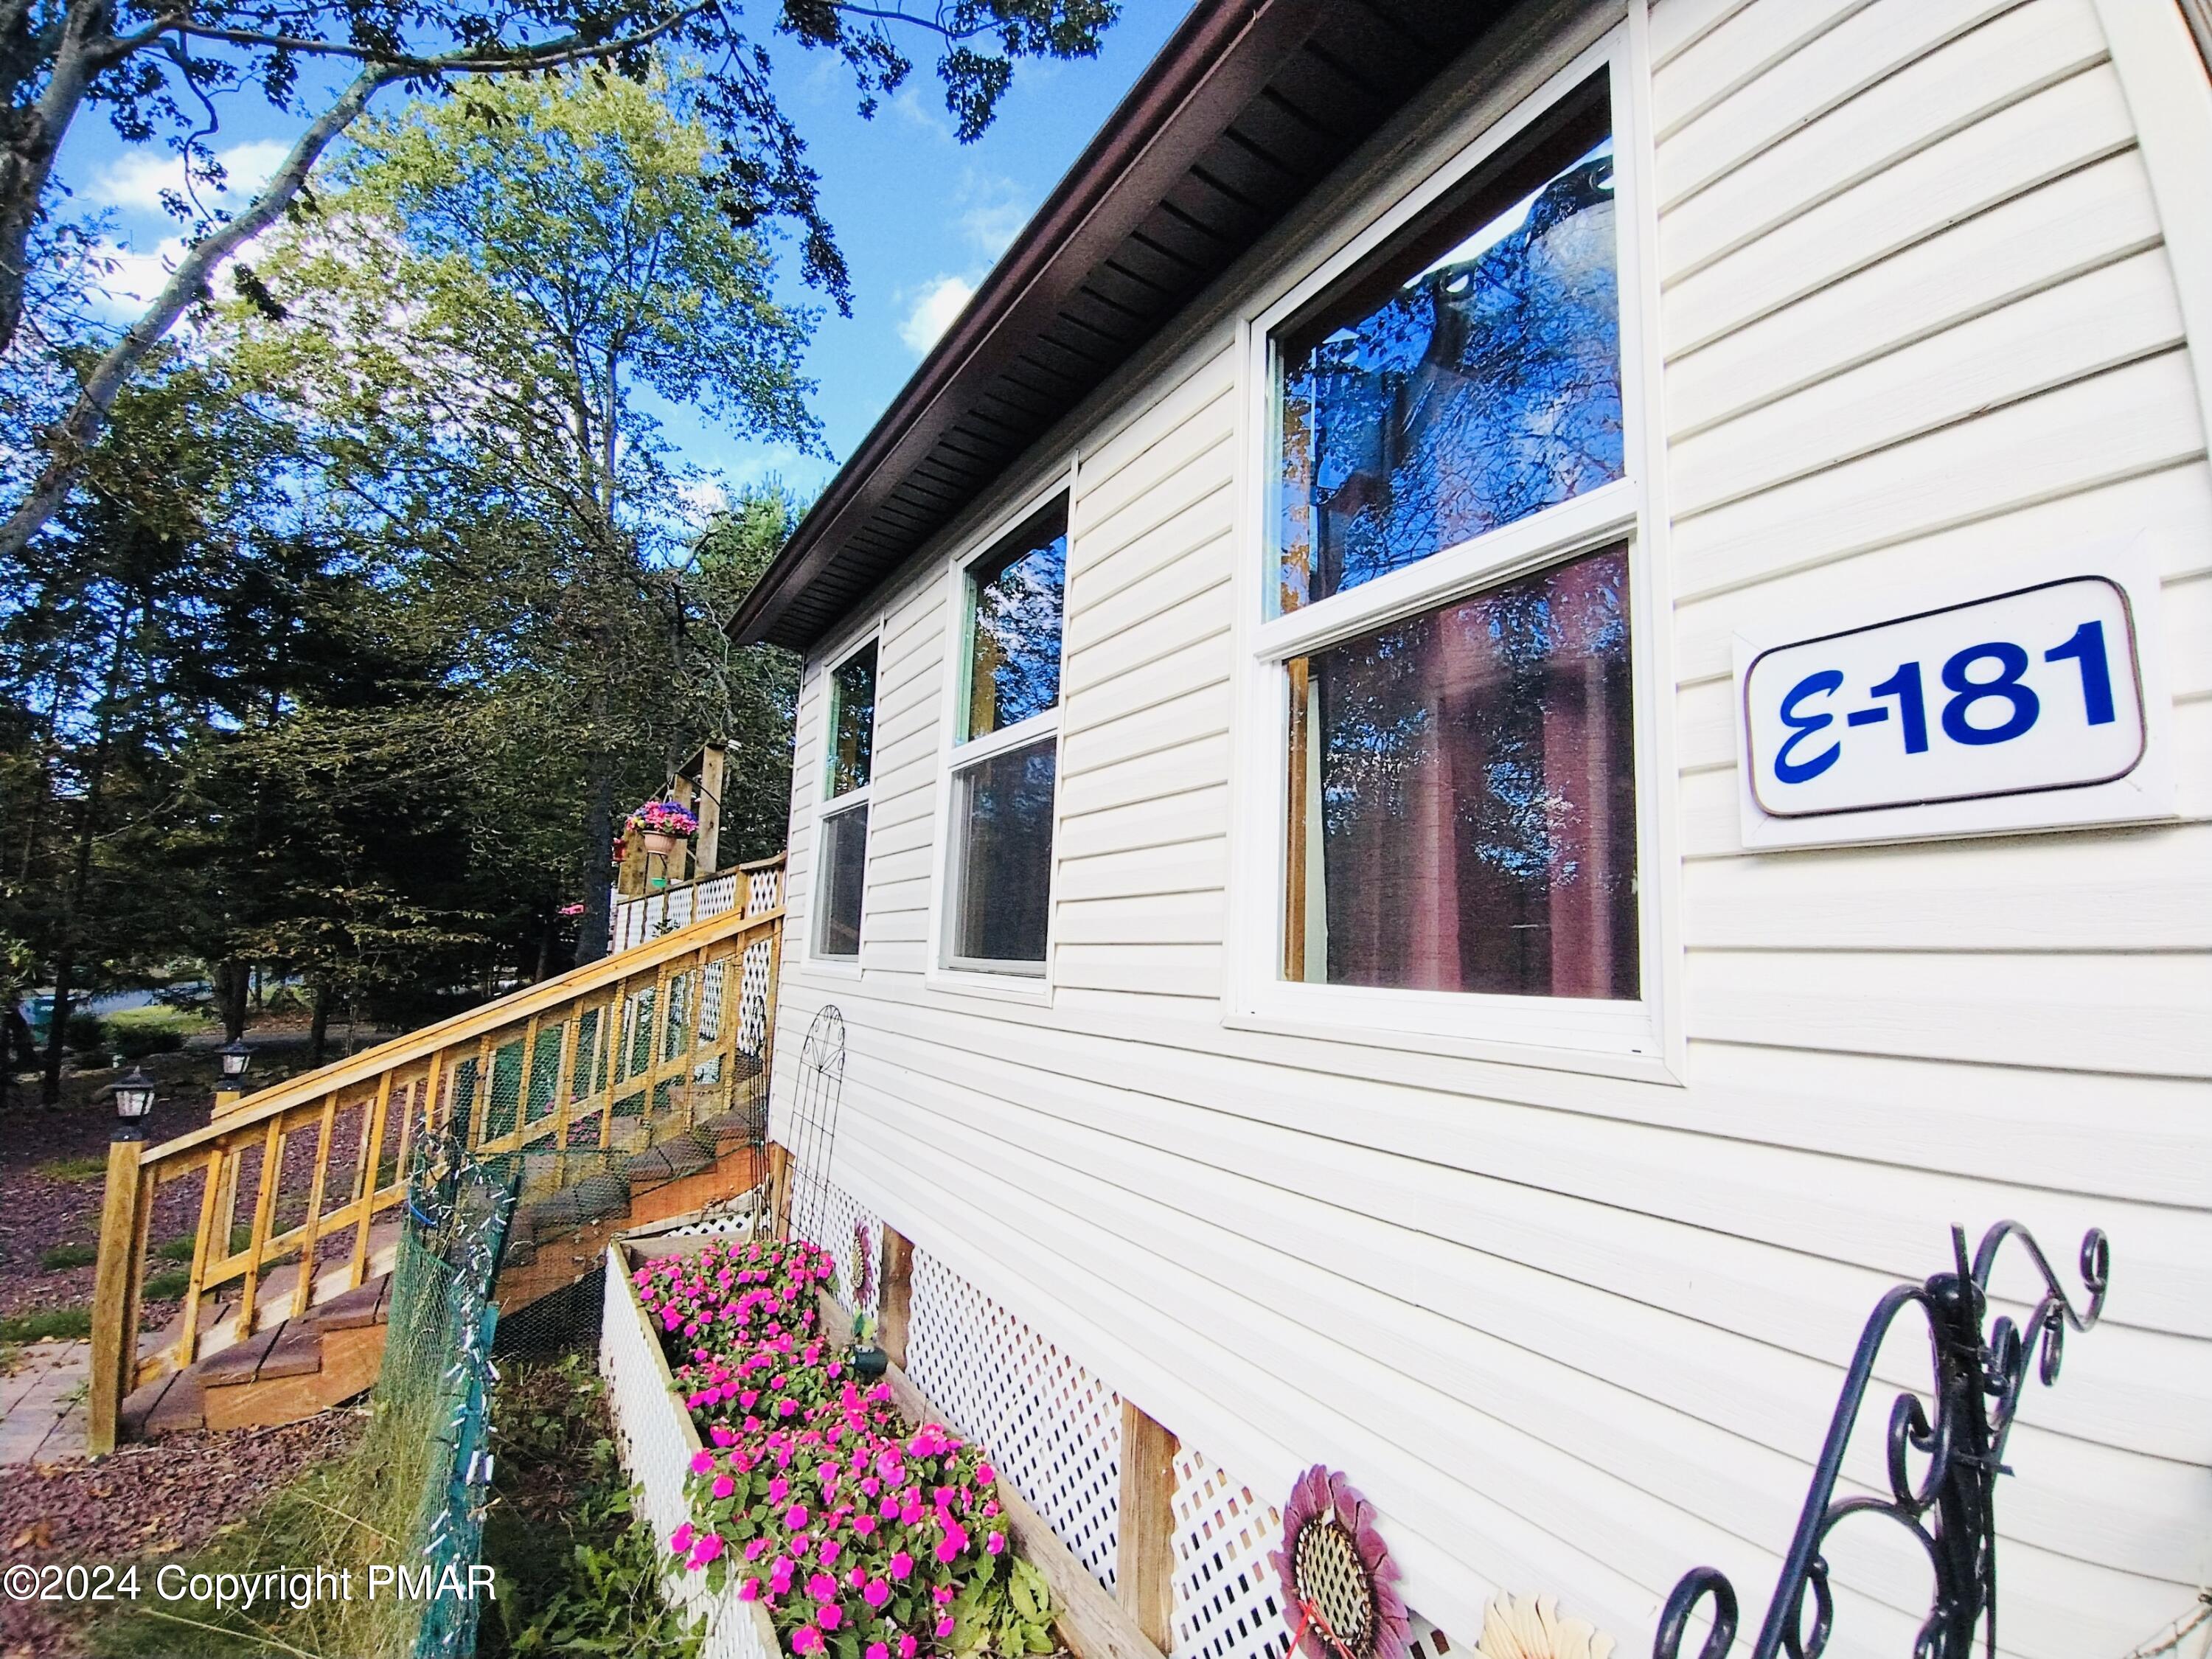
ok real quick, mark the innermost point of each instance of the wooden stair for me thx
(308, 1364)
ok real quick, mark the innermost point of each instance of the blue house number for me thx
(2033, 689)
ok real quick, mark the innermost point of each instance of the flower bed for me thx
(860, 1535)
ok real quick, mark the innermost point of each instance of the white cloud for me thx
(933, 311)
(995, 214)
(136, 180)
(134, 278)
(703, 497)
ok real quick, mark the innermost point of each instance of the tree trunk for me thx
(88, 824)
(231, 979)
(591, 927)
(318, 1030)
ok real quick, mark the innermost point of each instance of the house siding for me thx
(1571, 1332)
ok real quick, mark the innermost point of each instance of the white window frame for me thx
(1014, 983)
(1639, 1038)
(827, 806)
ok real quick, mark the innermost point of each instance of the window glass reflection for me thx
(1463, 804)
(1014, 666)
(852, 721)
(1004, 807)
(1468, 379)
(844, 855)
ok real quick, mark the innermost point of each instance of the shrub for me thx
(62, 1257)
(85, 1034)
(864, 1538)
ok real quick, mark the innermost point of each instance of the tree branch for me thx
(73, 436)
(549, 54)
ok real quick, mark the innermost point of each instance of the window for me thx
(1465, 380)
(1005, 754)
(1447, 657)
(1462, 800)
(841, 850)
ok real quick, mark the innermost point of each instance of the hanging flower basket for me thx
(663, 826)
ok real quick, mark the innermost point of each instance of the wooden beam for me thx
(304, 1286)
(894, 1300)
(779, 1187)
(364, 1179)
(113, 1294)
(708, 845)
(1143, 1566)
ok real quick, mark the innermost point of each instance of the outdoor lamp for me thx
(134, 1098)
(236, 1058)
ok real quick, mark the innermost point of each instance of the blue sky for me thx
(921, 216)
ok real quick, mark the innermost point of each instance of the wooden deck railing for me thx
(563, 1075)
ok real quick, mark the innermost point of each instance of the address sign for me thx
(2035, 691)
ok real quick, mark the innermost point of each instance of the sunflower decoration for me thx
(1340, 1584)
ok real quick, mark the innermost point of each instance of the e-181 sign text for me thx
(2035, 689)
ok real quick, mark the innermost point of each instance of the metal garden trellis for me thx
(1950, 1511)
(813, 1122)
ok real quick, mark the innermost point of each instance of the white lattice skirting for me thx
(1052, 1428)
(1226, 1605)
(655, 1438)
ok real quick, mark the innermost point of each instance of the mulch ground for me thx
(144, 1501)
(42, 1207)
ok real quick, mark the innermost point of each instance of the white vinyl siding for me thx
(1576, 1333)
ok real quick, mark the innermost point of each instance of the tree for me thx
(557, 252)
(156, 66)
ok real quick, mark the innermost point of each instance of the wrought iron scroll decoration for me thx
(1950, 1511)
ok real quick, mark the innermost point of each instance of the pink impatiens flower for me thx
(995, 1544)
(908, 1647)
(877, 1593)
(902, 1564)
(680, 1541)
(724, 1485)
(702, 1461)
(876, 1651)
(945, 1628)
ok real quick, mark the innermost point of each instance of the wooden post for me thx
(364, 1179)
(303, 1290)
(1144, 1568)
(265, 1206)
(114, 1290)
(779, 1187)
(895, 1298)
(708, 846)
(523, 1084)
(222, 1167)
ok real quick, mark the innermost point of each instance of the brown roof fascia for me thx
(1220, 57)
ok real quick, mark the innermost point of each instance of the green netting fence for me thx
(432, 1397)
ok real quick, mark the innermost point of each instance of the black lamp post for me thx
(134, 1098)
(237, 1059)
